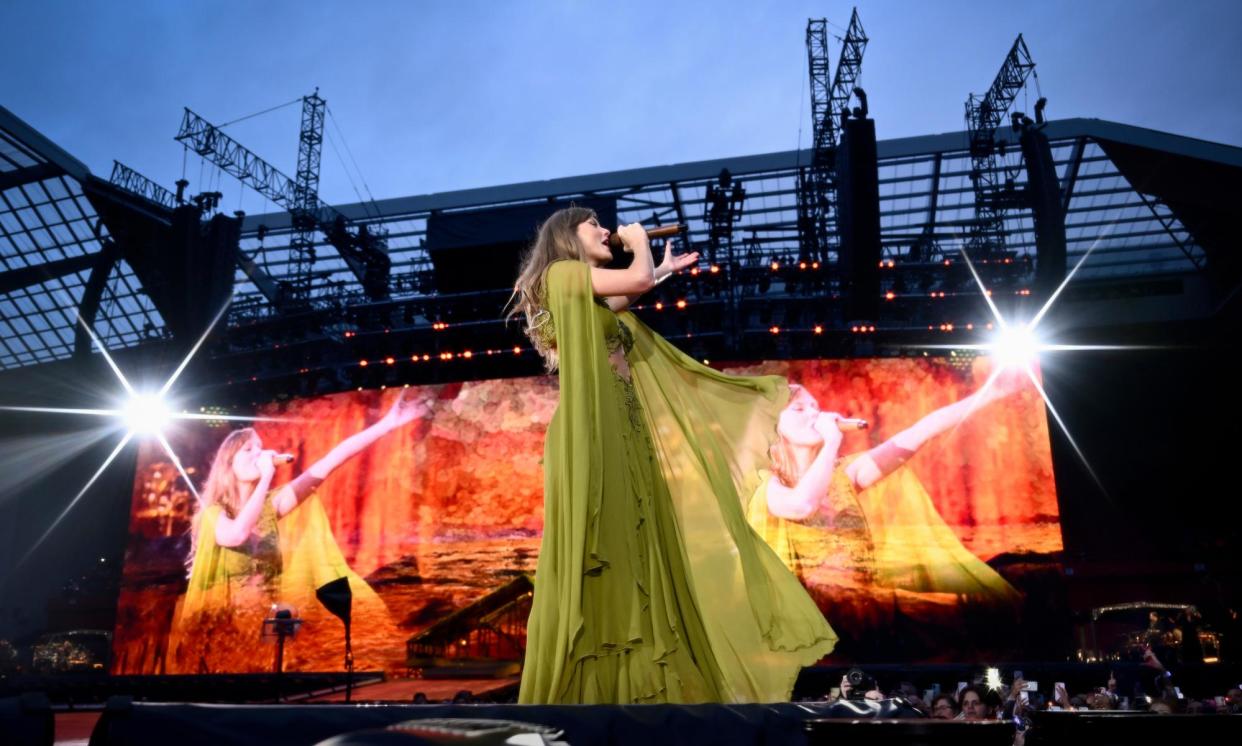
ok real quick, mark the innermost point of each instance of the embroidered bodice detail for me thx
(621, 339)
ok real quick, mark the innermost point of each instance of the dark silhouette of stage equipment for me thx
(858, 214)
(282, 625)
(338, 599)
(1043, 191)
(475, 255)
(817, 188)
(660, 231)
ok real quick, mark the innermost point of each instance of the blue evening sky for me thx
(433, 96)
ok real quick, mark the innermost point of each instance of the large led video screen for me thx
(919, 538)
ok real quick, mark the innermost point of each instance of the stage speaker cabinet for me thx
(197, 269)
(858, 219)
(480, 251)
(1044, 196)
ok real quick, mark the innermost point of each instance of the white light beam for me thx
(76, 497)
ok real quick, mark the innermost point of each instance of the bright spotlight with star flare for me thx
(140, 414)
(146, 414)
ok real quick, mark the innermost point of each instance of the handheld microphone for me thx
(660, 231)
(845, 424)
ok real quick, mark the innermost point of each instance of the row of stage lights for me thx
(681, 304)
(892, 264)
(871, 328)
(775, 329)
(445, 356)
(776, 264)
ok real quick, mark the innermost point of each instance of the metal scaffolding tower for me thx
(816, 183)
(363, 249)
(306, 188)
(983, 115)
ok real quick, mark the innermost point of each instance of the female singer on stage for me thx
(861, 519)
(650, 587)
(253, 546)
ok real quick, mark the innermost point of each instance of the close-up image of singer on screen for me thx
(256, 545)
(859, 521)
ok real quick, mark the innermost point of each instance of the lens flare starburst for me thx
(145, 414)
(1017, 344)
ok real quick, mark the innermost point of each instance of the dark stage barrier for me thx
(141, 724)
(26, 721)
(909, 733)
(1105, 727)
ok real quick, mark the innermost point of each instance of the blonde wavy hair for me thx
(784, 465)
(557, 239)
(221, 488)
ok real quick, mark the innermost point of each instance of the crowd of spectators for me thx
(1155, 689)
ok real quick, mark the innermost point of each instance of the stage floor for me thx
(74, 728)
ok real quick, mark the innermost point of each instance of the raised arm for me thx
(635, 279)
(671, 263)
(802, 500)
(405, 410)
(890, 455)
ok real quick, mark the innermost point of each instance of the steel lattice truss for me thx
(984, 115)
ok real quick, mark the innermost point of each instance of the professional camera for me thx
(860, 682)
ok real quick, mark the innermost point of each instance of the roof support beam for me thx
(16, 279)
(1071, 173)
(19, 176)
(933, 199)
(92, 294)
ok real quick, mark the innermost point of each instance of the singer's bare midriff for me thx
(619, 364)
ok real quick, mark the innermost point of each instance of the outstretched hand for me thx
(675, 262)
(407, 408)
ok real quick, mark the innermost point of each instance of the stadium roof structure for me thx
(56, 264)
(1147, 205)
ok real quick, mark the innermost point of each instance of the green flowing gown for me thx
(651, 585)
